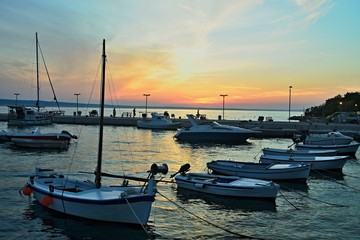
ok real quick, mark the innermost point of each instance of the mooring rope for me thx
(337, 182)
(208, 222)
(332, 204)
(137, 218)
(288, 201)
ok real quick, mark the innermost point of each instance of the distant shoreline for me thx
(11, 102)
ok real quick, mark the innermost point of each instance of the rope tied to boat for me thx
(204, 220)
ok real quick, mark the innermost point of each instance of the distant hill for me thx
(350, 102)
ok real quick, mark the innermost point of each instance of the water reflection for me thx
(326, 175)
(294, 186)
(57, 224)
(225, 203)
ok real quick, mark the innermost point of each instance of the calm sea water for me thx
(326, 207)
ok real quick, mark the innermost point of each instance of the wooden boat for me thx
(92, 200)
(298, 152)
(158, 122)
(267, 171)
(227, 186)
(213, 132)
(333, 163)
(346, 149)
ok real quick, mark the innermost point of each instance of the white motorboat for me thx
(267, 171)
(40, 143)
(213, 132)
(346, 149)
(36, 139)
(158, 121)
(331, 138)
(227, 186)
(92, 200)
(333, 163)
(298, 152)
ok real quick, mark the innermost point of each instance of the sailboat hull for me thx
(83, 199)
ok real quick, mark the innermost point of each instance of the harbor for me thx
(267, 129)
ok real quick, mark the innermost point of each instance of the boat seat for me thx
(68, 189)
(211, 180)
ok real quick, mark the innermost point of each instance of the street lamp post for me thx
(77, 102)
(340, 103)
(16, 97)
(223, 95)
(146, 95)
(290, 87)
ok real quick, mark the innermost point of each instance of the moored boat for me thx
(91, 199)
(213, 132)
(159, 122)
(38, 140)
(267, 171)
(330, 138)
(227, 186)
(346, 149)
(332, 163)
(28, 115)
(299, 152)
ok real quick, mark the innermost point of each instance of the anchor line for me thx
(208, 222)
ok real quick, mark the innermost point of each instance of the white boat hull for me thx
(42, 144)
(83, 199)
(228, 186)
(347, 149)
(298, 152)
(334, 163)
(276, 172)
(158, 126)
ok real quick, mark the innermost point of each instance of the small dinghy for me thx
(228, 186)
(333, 163)
(299, 152)
(267, 171)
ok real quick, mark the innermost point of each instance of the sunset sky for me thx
(184, 53)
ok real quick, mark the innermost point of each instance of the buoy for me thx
(27, 191)
(46, 201)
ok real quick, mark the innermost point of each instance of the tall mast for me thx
(102, 97)
(37, 73)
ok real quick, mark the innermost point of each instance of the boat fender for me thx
(123, 195)
(51, 188)
(46, 201)
(27, 190)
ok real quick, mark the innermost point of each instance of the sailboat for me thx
(29, 116)
(92, 200)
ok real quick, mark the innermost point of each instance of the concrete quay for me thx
(267, 129)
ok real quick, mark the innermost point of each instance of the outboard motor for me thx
(66, 132)
(183, 169)
(302, 137)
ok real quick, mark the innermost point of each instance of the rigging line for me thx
(47, 72)
(314, 199)
(143, 227)
(208, 222)
(257, 154)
